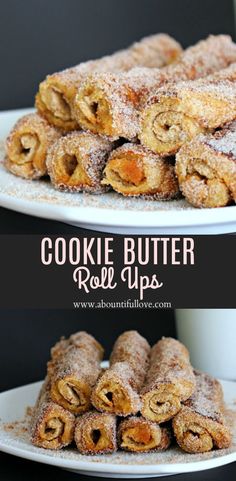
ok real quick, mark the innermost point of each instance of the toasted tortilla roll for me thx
(95, 433)
(170, 381)
(73, 370)
(76, 162)
(137, 434)
(180, 112)
(133, 170)
(206, 169)
(200, 425)
(117, 389)
(52, 425)
(57, 92)
(27, 146)
(110, 104)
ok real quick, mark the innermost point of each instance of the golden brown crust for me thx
(73, 370)
(75, 163)
(137, 434)
(52, 425)
(57, 92)
(95, 433)
(170, 380)
(109, 104)
(117, 389)
(206, 169)
(27, 146)
(200, 426)
(178, 113)
(135, 171)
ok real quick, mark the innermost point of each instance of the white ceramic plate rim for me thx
(100, 467)
(118, 218)
(88, 215)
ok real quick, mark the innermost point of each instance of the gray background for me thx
(42, 36)
(27, 335)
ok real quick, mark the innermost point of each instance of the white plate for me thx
(108, 212)
(13, 404)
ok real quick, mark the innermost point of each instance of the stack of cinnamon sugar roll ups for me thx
(145, 400)
(150, 121)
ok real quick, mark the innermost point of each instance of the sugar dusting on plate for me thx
(42, 191)
(18, 434)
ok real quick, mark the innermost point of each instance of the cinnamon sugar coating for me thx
(57, 92)
(200, 426)
(135, 171)
(165, 377)
(176, 114)
(52, 425)
(117, 390)
(74, 370)
(27, 146)
(137, 434)
(134, 349)
(110, 103)
(170, 380)
(95, 433)
(206, 168)
(75, 163)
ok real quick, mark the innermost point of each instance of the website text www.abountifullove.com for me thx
(126, 303)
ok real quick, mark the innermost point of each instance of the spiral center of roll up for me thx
(92, 111)
(70, 167)
(95, 435)
(164, 404)
(53, 429)
(139, 436)
(59, 104)
(165, 128)
(28, 144)
(174, 128)
(114, 398)
(212, 190)
(197, 438)
(128, 170)
(72, 394)
(70, 164)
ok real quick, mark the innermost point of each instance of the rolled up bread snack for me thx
(117, 390)
(55, 98)
(74, 370)
(200, 425)
(170, 381)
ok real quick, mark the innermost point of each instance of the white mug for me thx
(210, 336)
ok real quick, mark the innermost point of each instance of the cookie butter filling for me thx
(203, 181)
(72, 393)
(165, 128)
(100, 439)
(69, 169)
(53, 429)
(174, 128)
(58, 104)
(92, 110)
(27, 147)
(127, 170)
(197, 438)
(164, 404)
(114, 398)
(70, 164)
(140, 437)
